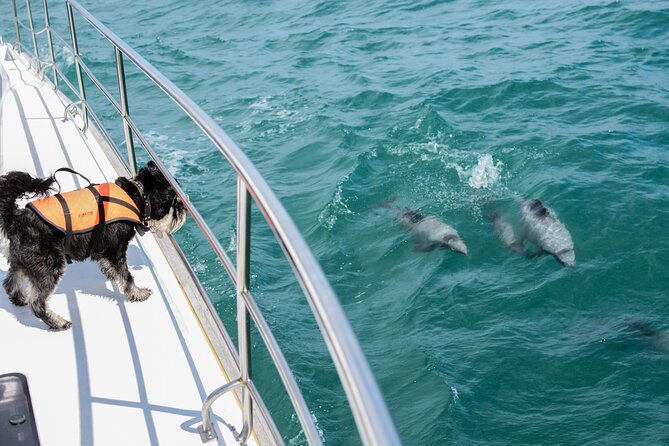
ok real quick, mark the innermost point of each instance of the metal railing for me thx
(371, 415)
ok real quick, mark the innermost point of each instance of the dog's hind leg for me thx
(39, 292)
(13, 284)
(117, 270)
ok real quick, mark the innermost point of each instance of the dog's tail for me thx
(15, 185)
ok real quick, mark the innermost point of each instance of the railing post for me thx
(80, 76)
(38, 62)
(16, 26)
(48, 36)
(243, 318)
(129, 143)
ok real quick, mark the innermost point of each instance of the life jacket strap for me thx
(67, 169)
(67, 247)
(120, 202)
(96, 237)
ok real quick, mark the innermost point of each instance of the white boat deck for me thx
(125, 373)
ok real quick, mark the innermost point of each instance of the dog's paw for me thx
(18, 301)
(60, 325)
(139, 294)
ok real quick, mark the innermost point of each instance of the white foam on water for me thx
(268, 110)
(456, 395)
(300, 438)
(171, 156)
(262, 103)
(232, 246)
(66, 56)
(336, 207)
(485, 173)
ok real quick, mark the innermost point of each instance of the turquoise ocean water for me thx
(450, 106)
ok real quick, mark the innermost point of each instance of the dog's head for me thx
(168, 213)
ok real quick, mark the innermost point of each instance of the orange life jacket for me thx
(79, 211)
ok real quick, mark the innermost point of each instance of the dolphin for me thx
(507, 232)
(657, 339)
(428, 232)
(547, 232)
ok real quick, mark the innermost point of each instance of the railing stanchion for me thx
(50, 41)
(129, 143)
(16, 27)
(38, 62)
(77, 62)
(243, 318)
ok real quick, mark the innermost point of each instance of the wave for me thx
(524, 94)
(369, 99)
(428, 164)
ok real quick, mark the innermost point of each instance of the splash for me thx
(456, 395)
(262, 103)
(300, 438)
(172, 157)
(486, 172)
(336, 207)
(65, 55)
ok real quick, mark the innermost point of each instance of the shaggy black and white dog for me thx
(36, 252)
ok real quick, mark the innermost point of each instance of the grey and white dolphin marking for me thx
(547, 232)
(430, 233)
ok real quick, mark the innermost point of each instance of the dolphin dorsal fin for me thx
(538, 208)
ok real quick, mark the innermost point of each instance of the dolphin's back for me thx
(425, 227)
(430, 232)
(544, 229)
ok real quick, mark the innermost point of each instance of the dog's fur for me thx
(36, 250)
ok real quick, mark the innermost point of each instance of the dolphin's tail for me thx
(388, 204)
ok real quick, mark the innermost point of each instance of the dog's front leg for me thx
(116, 269)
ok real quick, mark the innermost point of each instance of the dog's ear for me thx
(144, 176)
(147, 174)
(155, 172)
(152, 166)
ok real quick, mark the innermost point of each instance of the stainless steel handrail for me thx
(129, 142)
(34, 36)
(50, 42)
(16, 24)
(77, 64)
(371, 415)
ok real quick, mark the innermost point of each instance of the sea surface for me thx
(451, 108)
